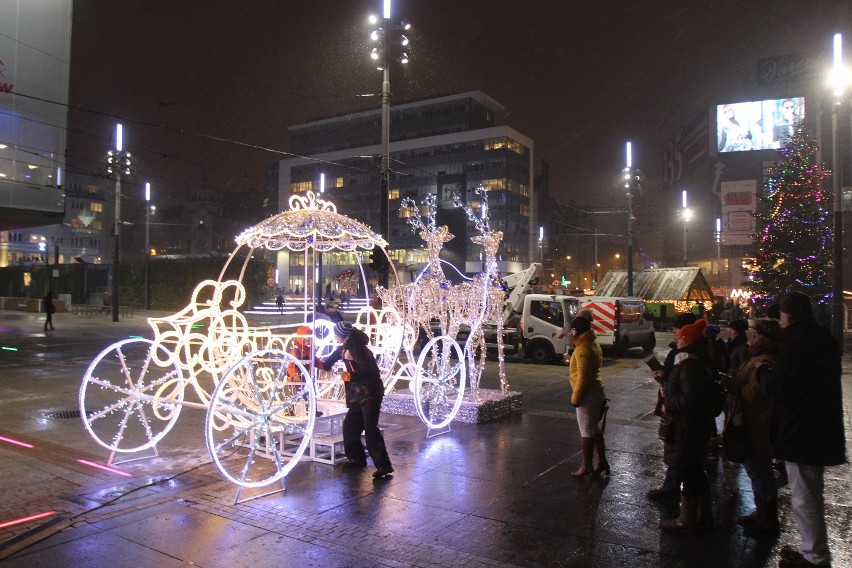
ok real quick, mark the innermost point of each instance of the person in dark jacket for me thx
(737, 345)
(688, 403)
(671, 483)
(806, 422)
(49, 310)
(364, 394)
(752, 411)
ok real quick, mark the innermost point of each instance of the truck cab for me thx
(546, 325)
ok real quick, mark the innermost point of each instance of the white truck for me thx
(620, 323)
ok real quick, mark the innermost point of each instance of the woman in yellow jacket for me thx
(588, 395)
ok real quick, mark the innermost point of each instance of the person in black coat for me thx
(49, 310)
(806, 421)
(688, 403)
(671, 483)
(737, 346)
(364, 394)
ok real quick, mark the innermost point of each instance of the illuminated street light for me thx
(392, 45)
(147, 245)
(118, 163)
(631, 183)
(839, 79)
(541, 246)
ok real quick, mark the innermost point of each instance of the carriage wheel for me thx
(439, 381)
(259, 410)
(133, 390)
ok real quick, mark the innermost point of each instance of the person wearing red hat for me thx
(688, 397)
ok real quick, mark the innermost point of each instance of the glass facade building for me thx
(446, 146)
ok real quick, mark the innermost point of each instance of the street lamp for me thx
(630, 179)
(687, 215)
(541, 246)
(118, 161)
(719, 249)
(147, 245)
(391, 44)
(839, 80)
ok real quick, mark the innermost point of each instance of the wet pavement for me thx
(495, 494)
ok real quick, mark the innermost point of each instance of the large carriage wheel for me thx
(439, 381)
(259, 410)
(131, 395)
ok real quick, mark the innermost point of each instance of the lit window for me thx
(393, 194)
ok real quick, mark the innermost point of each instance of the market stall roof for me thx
(658, 284)
(311, 222)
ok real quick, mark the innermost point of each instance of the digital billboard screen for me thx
(758, 125)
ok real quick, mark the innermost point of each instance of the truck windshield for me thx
(551, 312)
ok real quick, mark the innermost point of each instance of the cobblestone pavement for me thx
(495, 494)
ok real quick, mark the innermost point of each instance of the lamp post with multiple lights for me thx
(839, 80)
(118, 163)
(391, 45)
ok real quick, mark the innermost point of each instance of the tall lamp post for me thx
(118, 163)
(630, 179)
(839, 79)
(147, 245)
(687, 215)
(392, 45)
(541, 247)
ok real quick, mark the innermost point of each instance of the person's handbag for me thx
(735, 436)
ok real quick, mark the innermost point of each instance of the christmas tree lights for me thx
(794, 235)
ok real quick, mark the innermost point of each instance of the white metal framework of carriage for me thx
(260, 392)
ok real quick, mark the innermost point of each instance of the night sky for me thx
(208, 88)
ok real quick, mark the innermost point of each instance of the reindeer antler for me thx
(480, 221)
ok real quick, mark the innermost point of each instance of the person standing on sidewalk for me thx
(747, 396)
(588, 396)
(689, 404)
(671, 484)
(49, 310)
(806, 422)
(364, 393)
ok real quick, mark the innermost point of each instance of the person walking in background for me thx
(49, 310)
(752, 408)
(688, 403)
(671, 483)
(737, 345)
(364, 393)
(279, 302)
(806, 422)
(587, 396)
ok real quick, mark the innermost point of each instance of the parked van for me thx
(620, 323)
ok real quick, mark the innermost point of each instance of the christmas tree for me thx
(794, 235)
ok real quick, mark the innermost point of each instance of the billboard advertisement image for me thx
(758, 125)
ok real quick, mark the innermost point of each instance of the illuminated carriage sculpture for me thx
(260, 398)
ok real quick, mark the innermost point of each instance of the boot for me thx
(586, 468)
(685, 522)
(766, 523)
(752, 517)
(704, 519)
(603, 466)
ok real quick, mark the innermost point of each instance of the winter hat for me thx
(684, 319)
(581, 324)
(343, 329)
(739, 325)
(712, 331)
(796, 305)
(691, 333)
(768, 328)
(774, 311)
